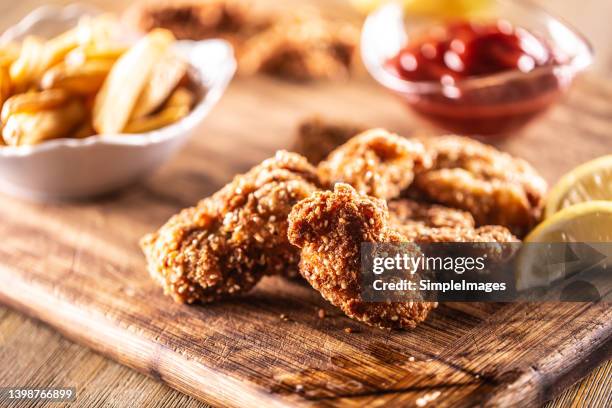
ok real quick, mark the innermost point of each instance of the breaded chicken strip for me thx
(330, 227)
(229, 241)
(376, 163)
(318, 137)
(495, 187)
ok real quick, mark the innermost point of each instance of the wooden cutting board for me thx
(77, 266)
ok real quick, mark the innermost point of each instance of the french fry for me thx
(86, 78)
(99, 29)
(28, 65)
(8, 54)
(5, 85)
(33, 128)
(164, 78)
(115, 101)
(32, 102)
(176, 108)
(58, 47)
(135, 89)
(95, 51)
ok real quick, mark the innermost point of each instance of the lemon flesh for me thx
(589, 222)
(587, 182)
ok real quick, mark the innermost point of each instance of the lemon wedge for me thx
(587, 182)
(588, 222)
(430, 8)
(445, 8)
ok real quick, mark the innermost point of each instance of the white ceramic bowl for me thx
(79, 168)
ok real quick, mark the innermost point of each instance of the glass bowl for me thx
(494, 104)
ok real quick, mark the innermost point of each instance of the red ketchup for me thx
(450, 54)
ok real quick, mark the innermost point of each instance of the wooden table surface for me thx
(35, 355)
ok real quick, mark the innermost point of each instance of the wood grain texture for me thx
(78, 267)
(91, 283)
(593, 392)
(33, 355)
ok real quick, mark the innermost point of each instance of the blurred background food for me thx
(590, 16)
(299, 44)
(88, 80)
(187, 19)
(307, 43)
(304, 44)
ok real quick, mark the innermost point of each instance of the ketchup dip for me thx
(488, 77)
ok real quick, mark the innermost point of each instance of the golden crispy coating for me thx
(301, 46)
(420, 214)
(191, 19)
(486, 234)
(425, 223)
(376, 163)
(495, 187)
(488, 241)
(330, 227)
(229, 241)
(317, 137)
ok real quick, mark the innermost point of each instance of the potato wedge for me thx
(32, 102)
(176, 108)
(115, 101)
(84, 79)
(165, 117)
(33, 128)
(164, 78)
(181, 97)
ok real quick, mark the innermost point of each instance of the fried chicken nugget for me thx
(376, 163)
(426, 223)
(229, 241)
(318, 137)
(301, 46)
(330, 227)
(420, 214)
(495, 187)
(485, 234)
(190, 19)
